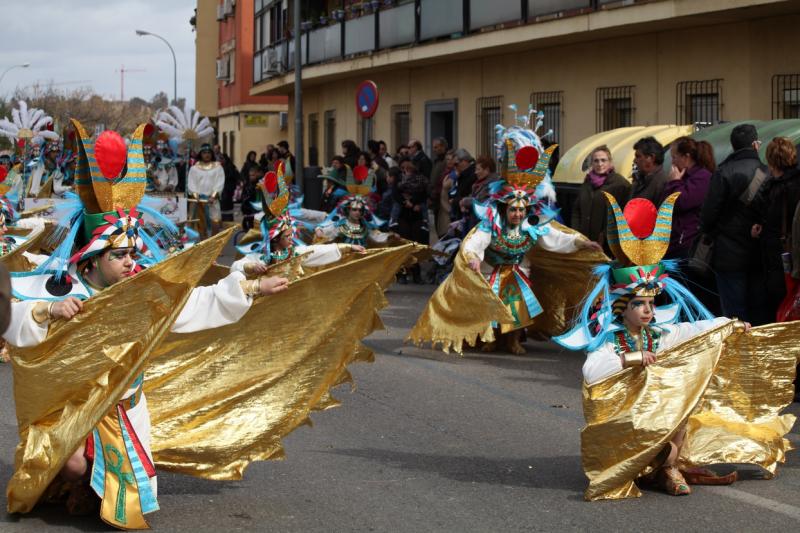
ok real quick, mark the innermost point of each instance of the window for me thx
(313, 139)
(401, 125)
(552, 105)
(330, 135)
(786, 96)
(270, 25)
(698, 102)
(615, 107)
(489, 114)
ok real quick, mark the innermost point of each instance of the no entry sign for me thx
(367, 99)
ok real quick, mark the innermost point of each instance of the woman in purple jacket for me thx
(692, 166)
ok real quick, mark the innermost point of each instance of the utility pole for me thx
(122, 72)
(298, 99)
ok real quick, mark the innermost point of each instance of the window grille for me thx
(698, 102)
(786, 96)
(489, 110)
(551, 103)
(330, 135)
(401, 125)
(615, 107)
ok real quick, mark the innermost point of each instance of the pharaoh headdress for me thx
(638, 237)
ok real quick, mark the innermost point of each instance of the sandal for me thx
(704, 476)
(672, 482)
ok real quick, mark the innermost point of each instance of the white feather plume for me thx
(183, 124)
(24, 118)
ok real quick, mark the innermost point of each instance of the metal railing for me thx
(551, 103)
(615, 107)
(411, 23)
(698, 102)
(786, 96)
(489, 112)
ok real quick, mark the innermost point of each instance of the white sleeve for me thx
(172, 177)
(238, 266)
(378, 237)
(321, 254)
(23, 330)
(32, 223)
(329, 231)
(219, 181)
(601, 363)
(477, 243)
(216, 305)
(558, 241)
(191, 181)
(312, 216)
(677, 333)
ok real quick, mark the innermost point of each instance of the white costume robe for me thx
(207, 182)
(315, 255)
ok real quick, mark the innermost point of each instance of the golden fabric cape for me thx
(64, 386)
(15, 261)
(463, 307)
(222, 398)
(728, 387)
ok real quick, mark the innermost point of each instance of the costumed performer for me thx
(204, 186)
(663, 398)
(514, 224)
(104, 239)
(165, 173)
(278, 234)
(352, 222)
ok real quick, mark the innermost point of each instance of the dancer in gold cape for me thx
(97, 437)
(663, 398)
(522, 254)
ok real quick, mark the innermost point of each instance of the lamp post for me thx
(22, 65)
(142, 33)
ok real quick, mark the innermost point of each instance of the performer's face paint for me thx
(285, 240)
(355, 213)
(515, 214)
(639, 313)
(116, 264)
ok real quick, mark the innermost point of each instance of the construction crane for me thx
(122, 72)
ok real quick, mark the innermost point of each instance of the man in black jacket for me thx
(726, 219)
(420, 159)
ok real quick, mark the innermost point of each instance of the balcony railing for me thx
(413, 23)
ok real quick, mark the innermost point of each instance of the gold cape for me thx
(65, 385)
(729, 388)
(463, 307)
(223, 398)
(14, 260)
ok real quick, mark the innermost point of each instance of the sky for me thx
(88, 42)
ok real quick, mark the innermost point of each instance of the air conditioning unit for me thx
(220, 12)
(270, 64)
(228, 8)
(222, 69)
(284, 120)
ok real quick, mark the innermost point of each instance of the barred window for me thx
(786, 96)
(551, 103)
(401, 125)
(698, 102)
(330, 135)
(489, 110)
(313, 139)
(615, 107)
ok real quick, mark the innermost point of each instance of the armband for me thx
(633, 359)
(41, 312)
(251, 287)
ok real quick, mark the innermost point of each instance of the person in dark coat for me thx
(465, 168)
(232, 179)
(250, 195)
(485, 172)
(350, 151)
(420, 158)
(727, 218)
(774, 209)
(650, 176)
(589, 214)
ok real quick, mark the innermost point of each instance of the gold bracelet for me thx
(251, 287)
(633, 359)
(739, 326)
(345, 248)
(250, 268)
(41, 312)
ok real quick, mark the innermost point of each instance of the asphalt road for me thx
(435, 442)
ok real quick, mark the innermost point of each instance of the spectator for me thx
(465, 167)
(384, 151)
(249, 196)
(485, 172)
(449, 183)
(589, 214)
(774, 207)
(726, 221)
(273, 158)
(232, 179)
(420, 158)
(402, 153)
(412, 209)
(374, 149)
(650, 176)
(365, 160)
(692, 167)
(439, 146)
(386, 190)
(263, 162)
(249, 161)
(350, 153)
(334, 184)
(286, 155)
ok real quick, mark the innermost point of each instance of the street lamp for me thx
(142, 33)
(22, 65)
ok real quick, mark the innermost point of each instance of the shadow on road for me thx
(558, 473)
